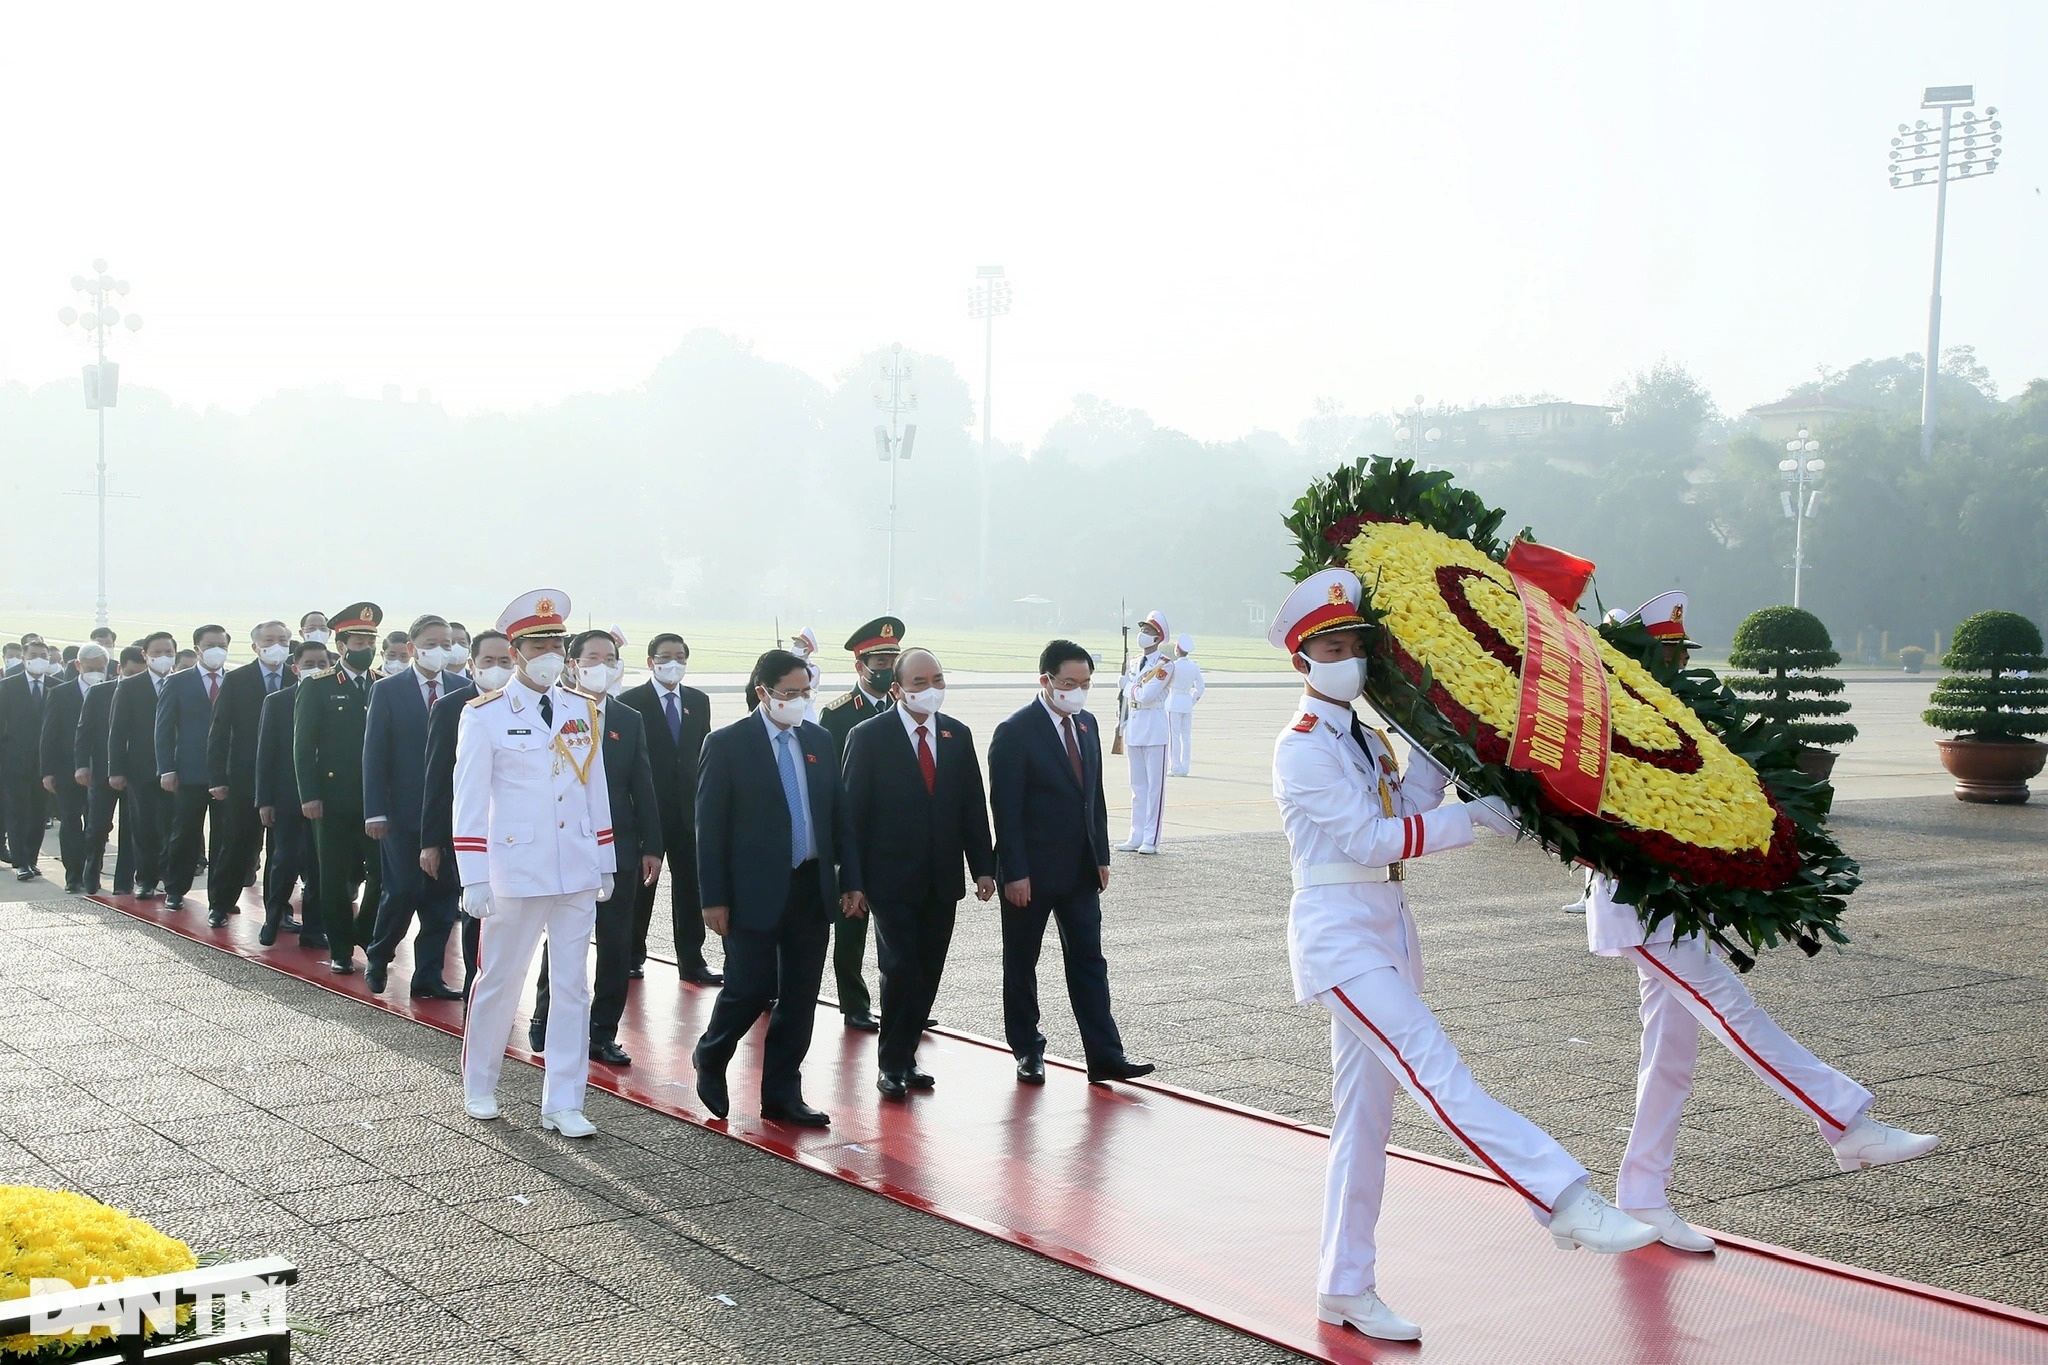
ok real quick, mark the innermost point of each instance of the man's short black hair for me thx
(477, 641)
(300, 647)
(1062, 652)
(31, 639)
(70, 653)
(770, 669)
(131, 655)
(421, 625)
(457, 625)
(397, 637)
(204, 631)
(309, 616)
(667, 637)
(98, 631)
(156, 635)
(576, 645)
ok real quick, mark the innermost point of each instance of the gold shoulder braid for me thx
(586, 740)
(1396, 872)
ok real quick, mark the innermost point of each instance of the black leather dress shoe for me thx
(1031, 1070)
(537, 1037)
(435, 991)
(170, 902)
(340, 968)
(704, 976)
(922, 1080)
(1122, 1069)
(290, 924)
(611, 1054)
(931, 1023)
(711, 1088)
(800, 1115)
(24, 874)
(312, 940)
(216, 919)
(145, 891)
(373, 977)
(636, 973)
(267, 935)
(865, 1023)
(894, 1085)
(73, 887)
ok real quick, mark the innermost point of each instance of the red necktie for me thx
(212, 687)
(1074, 753)
(431, 694)
(924, 762)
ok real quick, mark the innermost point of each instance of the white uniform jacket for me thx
(1145, 687)
(532, 812)
(1188, 686)
(1329, 795)
(1612, 926)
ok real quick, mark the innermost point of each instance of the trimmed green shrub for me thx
(1783, 646)
(1986, 695)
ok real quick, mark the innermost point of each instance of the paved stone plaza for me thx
(251, 1113)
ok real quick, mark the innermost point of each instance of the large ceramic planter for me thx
(1817, 764)
(1993, 771)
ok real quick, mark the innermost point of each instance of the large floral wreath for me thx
(1705, 818)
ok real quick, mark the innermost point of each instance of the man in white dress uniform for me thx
(1188, 688)
(1146, 684)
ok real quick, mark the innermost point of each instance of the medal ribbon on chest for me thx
(574, 735)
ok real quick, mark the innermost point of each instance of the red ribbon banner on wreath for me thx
(1561, 725)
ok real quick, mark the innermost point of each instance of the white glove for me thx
(476, 901)
(1493, 813)
(604, 886)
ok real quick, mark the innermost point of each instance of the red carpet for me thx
(1217, 1208)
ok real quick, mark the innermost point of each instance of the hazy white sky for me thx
(1213, 212)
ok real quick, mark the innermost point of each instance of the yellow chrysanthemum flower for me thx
(54, 1234)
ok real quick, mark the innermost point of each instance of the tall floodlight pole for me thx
(1923, 155)
(989, 299)
(1799, 469)
(1411, 432)
(895, 395)
(102, 381)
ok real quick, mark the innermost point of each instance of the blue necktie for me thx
(270, 682)
(675, 720)
(793, 792)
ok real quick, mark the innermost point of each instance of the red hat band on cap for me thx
(1329, 616)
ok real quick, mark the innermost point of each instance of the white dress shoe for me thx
(1586, 1220)
(1148, 848)
(480, 1106)
(1127, 846)
(569, 1123)
(1672, 1230)
(1367, 1314)
(1871, 1143)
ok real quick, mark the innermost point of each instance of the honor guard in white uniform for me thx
(1146, 684)
(1686, 987)
(533, 844)
(1352, 821)
(804, 644)
(1188, 688)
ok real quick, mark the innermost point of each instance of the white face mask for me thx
(212, 657)
(274, 655)
(458, 655)
(1148, 641)
(1340, 680)
(927, 702)
(670, 671)
(1069, 701)
(432, 659)
(318, 637)
(162, 664)
(35, 668)
(493, 679)
(544, 670)
(598, 678)
(92, 679)
(786, 712)
(393, 667)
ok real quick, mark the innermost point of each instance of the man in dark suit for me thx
(676, 718)
(775, 857)
(184, 716)
(394, 788)
(131, 758)
(292, 858)
(636, 840)
(874, 647)
(231, 759)
(328, 718)
(490, 668)
(913, 785)
(69, 792)
(23, 801)
(89, 761)
(1052, 841)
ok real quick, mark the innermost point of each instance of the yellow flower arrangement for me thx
(1719, 805)
(53, 1234)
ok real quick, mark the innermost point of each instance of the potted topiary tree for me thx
(1784, 645)
(1993, 701)
(1912, 657)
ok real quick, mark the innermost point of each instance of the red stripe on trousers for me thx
(1442, 1117)
(1747, 1050)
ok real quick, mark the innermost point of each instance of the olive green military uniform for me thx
(883, 635)
(327, 753)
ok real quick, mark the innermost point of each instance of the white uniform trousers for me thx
(1148, 791)
(1180, 741)
(1381, 1035)
(1685, 988)
(504, 953)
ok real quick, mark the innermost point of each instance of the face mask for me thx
(162, 664)
(274, 655)
(1069, 701)
(1340, 680)
(927, 702)
(1148, 641)
(786, 713)
(670, 671)
(393, 667)
(317, 637)
(433, 659)
(93, 679)
(458, 655)
(37, 667)
(544, 670)
(359, 660)
(212, 657)
(880, 680)
(493, 679)
(597, 678)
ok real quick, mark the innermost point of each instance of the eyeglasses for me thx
(801, 694)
